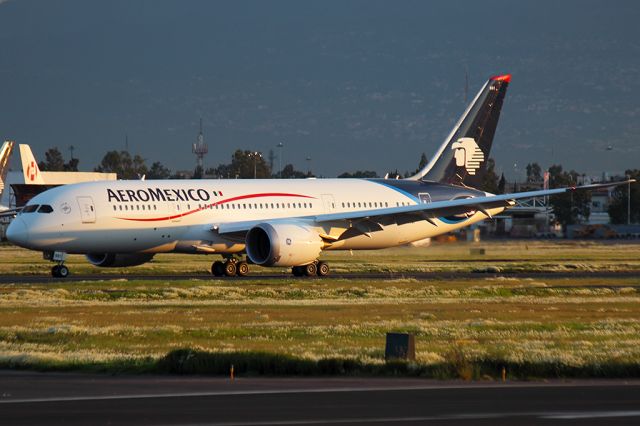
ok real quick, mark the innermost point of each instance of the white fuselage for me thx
(184, 215)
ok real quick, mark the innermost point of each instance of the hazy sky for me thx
(351, 84)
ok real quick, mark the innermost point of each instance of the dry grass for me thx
(554, 324)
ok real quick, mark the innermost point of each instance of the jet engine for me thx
(106, 260)
(282, 244)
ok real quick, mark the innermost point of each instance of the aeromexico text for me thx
(159, 194)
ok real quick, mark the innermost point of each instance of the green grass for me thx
(578, 326)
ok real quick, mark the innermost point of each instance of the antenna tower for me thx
(200, 149)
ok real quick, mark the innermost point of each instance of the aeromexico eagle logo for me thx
(468, 154)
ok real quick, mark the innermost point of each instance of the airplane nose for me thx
(17, 232)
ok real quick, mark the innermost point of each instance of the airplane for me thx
(33, 175)
(5, 156)
(274, 222)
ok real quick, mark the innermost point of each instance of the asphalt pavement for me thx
(81, 399)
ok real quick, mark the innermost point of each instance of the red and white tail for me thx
(30, 167)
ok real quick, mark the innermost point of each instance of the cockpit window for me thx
(30, 208)
(45, 208)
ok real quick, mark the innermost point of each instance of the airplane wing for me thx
(418, 212)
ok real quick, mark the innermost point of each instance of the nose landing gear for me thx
(59, 270)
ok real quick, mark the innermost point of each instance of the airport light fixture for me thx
(628, 199)
(280, 146)
(255, 155)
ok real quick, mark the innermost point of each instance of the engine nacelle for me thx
(282, 244)
(107, 260)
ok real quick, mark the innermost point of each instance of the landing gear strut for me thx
(320, 269)
(230, 267)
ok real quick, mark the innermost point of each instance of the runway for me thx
(48, 279)
(77, 399)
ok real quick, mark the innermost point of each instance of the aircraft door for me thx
(175, 211)
(328, 202)
(87, 209)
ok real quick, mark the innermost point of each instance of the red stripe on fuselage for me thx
(241, 197)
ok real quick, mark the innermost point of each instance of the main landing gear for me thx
(230, 267)
(320, 269)
(59, 270)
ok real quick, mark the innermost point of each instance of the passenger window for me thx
(45, 208)
(120, 207)
(115, 208)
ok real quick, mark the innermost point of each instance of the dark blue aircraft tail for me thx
(462, 158)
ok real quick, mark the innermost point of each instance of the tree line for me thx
(569, 208)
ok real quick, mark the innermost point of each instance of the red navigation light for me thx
(505, 77)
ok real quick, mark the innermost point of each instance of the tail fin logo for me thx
(468, 154)
(32, 171)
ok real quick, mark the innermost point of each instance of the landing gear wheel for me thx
(310, 270)
(63, 271)
(323, 269)
(230, 268)
(217, 268)
(297, 271)
(243, 269)
(60, 271)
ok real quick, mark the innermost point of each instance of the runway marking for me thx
(592, 415)
(297, 391)
(456, 417)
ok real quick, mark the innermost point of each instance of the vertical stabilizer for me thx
(462, 158)
(30, 167)
(5, 156)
